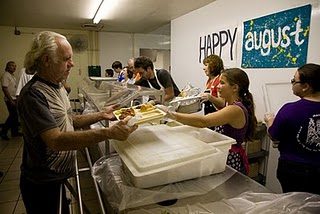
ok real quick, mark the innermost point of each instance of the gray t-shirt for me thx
(43, 106)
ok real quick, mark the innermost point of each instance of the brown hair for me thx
(310, 73)
(143, 62)
(215, 64)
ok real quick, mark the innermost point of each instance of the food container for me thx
(148, 116)
(159, 154)
(187, 104)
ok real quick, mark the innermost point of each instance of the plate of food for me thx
(142, 113)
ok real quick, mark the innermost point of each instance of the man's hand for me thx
(120, 130)
(110, 109)
(107, 112)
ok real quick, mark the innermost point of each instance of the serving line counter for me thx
(120, 196)
(225, 192)
(229, 192)
(216, 193)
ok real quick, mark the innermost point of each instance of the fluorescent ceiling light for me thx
(105, 10)
(97, 16)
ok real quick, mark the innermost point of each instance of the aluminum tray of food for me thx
(143, 113)
(103, 78)
(187, 104)
(186, 100)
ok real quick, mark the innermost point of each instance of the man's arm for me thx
(7, 94)
(62, 141)
(81, 121)
(165, 80)
(169, 93)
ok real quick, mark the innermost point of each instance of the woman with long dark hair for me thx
(237, 119)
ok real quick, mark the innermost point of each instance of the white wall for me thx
(123, 46)
(103, 49)
(185, 32)
(14, 47)
(114, 46)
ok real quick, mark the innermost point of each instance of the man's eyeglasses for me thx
(293, 81)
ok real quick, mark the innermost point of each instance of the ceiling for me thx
(129, 16)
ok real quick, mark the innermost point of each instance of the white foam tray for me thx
(157, 155)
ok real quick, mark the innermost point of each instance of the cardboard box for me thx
(253, 146)
(253, 169)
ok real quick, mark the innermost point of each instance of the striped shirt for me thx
(43, 106)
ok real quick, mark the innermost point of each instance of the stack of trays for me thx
(157, 155)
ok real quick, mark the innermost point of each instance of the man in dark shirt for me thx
(51, 132)
(155, 78)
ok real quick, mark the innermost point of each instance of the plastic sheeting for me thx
(122, 195)
(249, 203)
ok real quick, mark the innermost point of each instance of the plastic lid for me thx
(152, 147)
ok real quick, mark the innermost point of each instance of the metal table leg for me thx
(94, 181)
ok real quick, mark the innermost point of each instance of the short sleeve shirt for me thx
(24, 78)
(165, 80)
(43, 106)
(9, 81)
(297, 128)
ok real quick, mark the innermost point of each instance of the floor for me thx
(10, 197)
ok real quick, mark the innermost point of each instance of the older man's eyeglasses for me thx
(293, 81)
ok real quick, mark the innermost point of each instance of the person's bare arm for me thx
(268, 119)
(218, 102)
(7, 94)
(169, 93)
(62, 141)
(232, 115)
(80, 121)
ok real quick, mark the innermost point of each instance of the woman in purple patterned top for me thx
(297, 128)
(236, 119)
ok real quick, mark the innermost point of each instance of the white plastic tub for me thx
(156, 155)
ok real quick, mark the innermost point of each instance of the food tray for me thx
(103, 78)
(187, 104)
(186, 100)
(142, 117)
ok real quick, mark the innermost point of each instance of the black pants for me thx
(12, 120)
(296, 177)
(43, 198)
